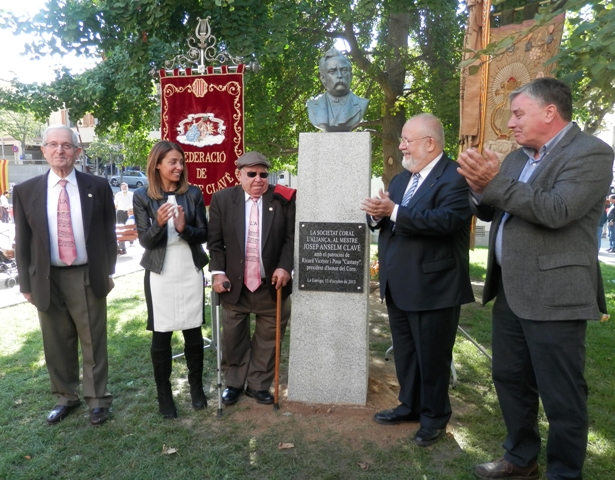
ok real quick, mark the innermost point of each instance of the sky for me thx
(20, 67)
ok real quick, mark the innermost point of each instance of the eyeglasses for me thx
(63, 146)
(253, 174)
(405, 142)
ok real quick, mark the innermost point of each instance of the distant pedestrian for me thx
(4, 208)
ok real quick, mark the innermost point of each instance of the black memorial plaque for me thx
(332, 256)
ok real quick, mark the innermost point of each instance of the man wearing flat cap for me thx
(250, 241)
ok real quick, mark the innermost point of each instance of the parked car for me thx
(132, 178)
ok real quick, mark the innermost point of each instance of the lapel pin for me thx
(90, 195)
(271, 209)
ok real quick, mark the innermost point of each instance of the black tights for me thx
(162, 340)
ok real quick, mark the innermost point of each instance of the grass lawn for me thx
(329, 442)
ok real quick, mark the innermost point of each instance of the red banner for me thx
(204, 114)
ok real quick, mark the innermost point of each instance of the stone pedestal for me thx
(329, 340)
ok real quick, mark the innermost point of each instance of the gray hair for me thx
(432, 127)
(548, 91)
(75, 138)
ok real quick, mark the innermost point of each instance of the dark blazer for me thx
(226, 238)
(424, 262)
(550, 268)
(32, 250)
(153, 238)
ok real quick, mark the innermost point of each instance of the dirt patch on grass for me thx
(355, 424)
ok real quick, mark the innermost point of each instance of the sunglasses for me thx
(253, 174)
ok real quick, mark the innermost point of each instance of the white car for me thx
(132, 178)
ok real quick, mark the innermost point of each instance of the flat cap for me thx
(252, 158)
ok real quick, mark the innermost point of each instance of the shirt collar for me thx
(429, 167)
(547, 147)
(54, 179)
(248, 197)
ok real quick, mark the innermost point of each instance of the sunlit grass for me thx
(129, 446)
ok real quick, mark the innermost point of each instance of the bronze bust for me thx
(338, 109)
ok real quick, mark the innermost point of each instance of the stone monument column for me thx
(329, 340)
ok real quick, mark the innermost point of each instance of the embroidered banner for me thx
(522, 63)
(204, 114)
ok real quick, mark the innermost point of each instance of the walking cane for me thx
(278, 321)
(215, 320)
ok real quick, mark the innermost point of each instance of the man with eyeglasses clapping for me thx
(66, 250)
(251, 241)
(423, 250)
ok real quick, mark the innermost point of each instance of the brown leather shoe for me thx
(502, 468)
(59, 413)
(98, 416)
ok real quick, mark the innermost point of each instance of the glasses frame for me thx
(63, 146)
(404, 142)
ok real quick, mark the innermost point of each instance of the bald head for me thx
(422, 140)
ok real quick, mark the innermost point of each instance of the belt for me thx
(67, 267)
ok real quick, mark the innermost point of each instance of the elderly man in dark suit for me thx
(423, 250)
(544, 202)
(66, 251)
(251, 241)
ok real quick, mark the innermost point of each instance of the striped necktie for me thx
(411, 190)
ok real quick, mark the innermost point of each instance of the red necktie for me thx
(66, 238)
(252, 274)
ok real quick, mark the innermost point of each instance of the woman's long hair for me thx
(156, 154)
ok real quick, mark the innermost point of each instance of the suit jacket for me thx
(550, 268)
(32, 250)
(424, 262)
(154, 238)
(227, 232)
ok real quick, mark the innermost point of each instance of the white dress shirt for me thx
(123, 200)
(247, 211)
(53, 195)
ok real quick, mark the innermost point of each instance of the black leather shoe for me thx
(231, 395)
(261, 396)
(98, 416)
(59, 413)
(428, 436)
(389, 417)
(501, 468)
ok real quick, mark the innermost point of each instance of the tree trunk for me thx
(394, 116)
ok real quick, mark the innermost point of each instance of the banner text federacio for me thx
(205, 157)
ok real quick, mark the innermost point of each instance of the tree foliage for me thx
(404, 56)
(23, 127)
(121, 146)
